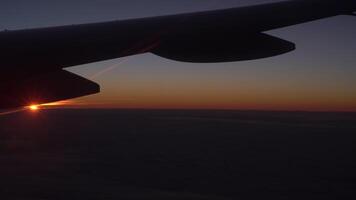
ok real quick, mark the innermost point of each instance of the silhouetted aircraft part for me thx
(221, 47)
(65, 46)
(45, 88)
(211, 36)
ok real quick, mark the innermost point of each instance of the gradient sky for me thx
(319, 75)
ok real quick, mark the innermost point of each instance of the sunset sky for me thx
(319, 75)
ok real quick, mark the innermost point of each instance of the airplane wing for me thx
(30, 57)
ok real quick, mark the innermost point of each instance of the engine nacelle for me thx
(221, 47)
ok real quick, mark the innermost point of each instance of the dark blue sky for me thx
(319, 75)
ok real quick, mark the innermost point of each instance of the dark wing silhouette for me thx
(212, 36)
(40, 88)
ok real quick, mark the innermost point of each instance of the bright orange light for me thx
(34, 107)
(57, 103)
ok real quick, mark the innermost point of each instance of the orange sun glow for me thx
(34, 107)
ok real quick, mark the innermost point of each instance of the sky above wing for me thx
(319, 75)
